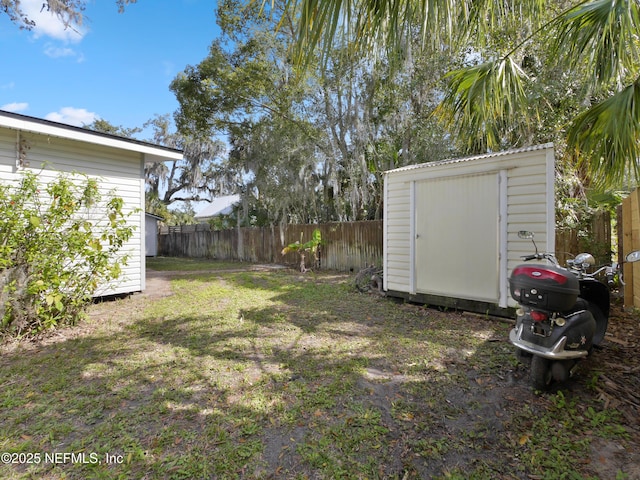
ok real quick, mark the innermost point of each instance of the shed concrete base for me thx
(467, 305)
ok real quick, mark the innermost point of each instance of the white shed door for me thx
(457, 236)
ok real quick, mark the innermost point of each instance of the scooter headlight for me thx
(560, 321)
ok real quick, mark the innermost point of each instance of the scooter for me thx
(563, 312)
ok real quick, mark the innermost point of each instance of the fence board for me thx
(346, 246)
(627, 272)
(598, 242)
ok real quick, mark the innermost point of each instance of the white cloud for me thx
(14, 107)
(48, 24)
(52, 51)
(73, 116)
(7, 86)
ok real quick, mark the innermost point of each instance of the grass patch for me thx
(276, 374)
(163, 264)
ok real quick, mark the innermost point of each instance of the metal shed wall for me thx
(524, 180)
(151, 235)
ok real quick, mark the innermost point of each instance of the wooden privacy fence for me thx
(349, 245)
(597, 240)
(630, 241)
(346, 246)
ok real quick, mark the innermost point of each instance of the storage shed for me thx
(151, 234)
(116, 162)
(450, 233)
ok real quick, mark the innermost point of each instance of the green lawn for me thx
(191, 264)
(276, 374)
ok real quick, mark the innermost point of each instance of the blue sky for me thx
(117, 67)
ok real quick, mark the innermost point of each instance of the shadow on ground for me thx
(280, 375)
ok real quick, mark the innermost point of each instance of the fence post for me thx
(240, 252)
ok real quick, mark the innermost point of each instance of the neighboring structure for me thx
(151, 234)
(450, 228)
(218, 206)
(117, 162)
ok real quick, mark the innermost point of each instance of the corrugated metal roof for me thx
(218, 206)
(474, 157)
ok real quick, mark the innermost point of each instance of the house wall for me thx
(118, 171)
(526, 202)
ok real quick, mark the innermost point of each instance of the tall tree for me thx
(374, 116)
(312, 146)
(247, 90)
(104, 126)
(196, 177)
(490, 98)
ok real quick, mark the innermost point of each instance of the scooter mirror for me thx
(585, 259)
(633, 256)
(525, 234)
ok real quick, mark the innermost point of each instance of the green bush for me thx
(57, 246)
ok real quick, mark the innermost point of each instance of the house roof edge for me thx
(49, 127)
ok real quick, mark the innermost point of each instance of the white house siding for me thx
(527, 201)
(117, 171)
(7, 152)
(117, 164)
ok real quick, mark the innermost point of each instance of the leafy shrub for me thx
(57, 246)
(312, 246)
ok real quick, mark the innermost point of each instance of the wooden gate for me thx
(630, 240)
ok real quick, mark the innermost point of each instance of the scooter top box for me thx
(544, 286)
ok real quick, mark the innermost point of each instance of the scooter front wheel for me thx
(541, 376)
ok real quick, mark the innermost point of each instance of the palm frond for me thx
(484, 101)
(605, 33)
(484, 16)
(607, 137)
(318, 20)
(368, 24)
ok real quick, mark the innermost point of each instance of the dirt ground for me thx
(618, 386)
(616, 365)
(619, 355)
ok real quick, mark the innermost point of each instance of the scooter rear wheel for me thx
(541, 376)
(601, 323)
(523, 357)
